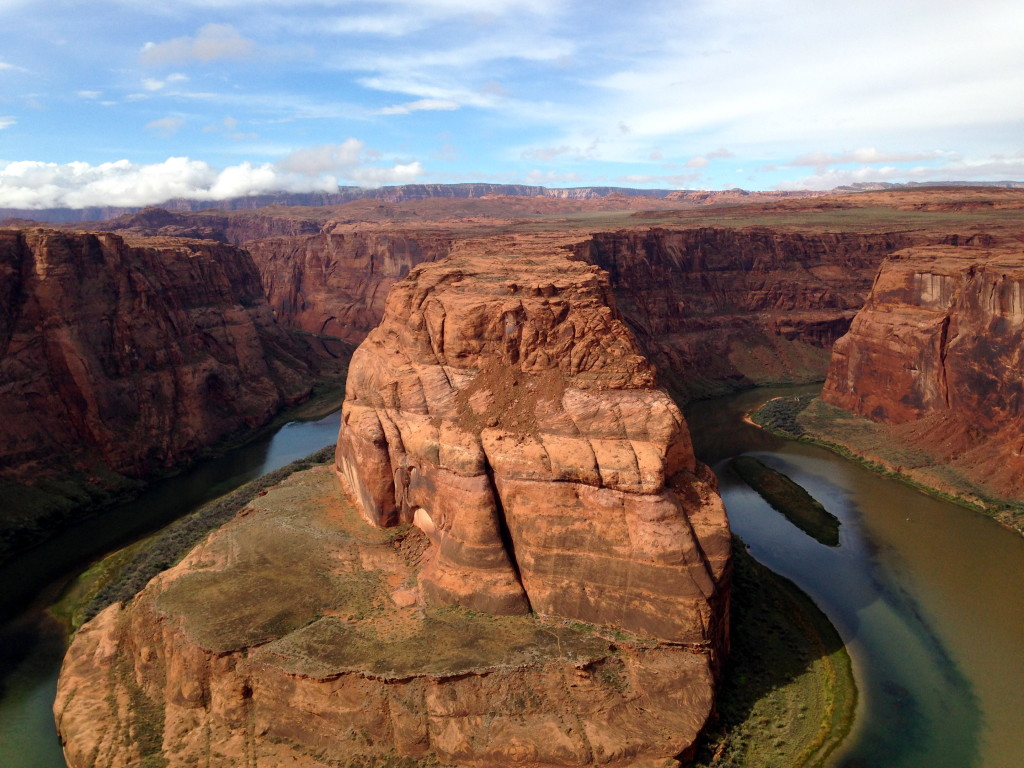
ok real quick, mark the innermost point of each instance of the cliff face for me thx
(936, 352)
(503, 410)
(336, 282)
(724, 308)
(130, 359)
(503, 407)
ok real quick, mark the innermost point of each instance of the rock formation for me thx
(503, 409)
(936, 353)
(119, 360)
(503, 406)
(336, 282)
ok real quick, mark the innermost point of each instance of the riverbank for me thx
(808, 419)
(36, 512)
(788, 697)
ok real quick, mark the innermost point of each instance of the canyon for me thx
(538, 571)
(118, 361)
(510, 453)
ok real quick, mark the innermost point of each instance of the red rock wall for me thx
(504, 408)
(336, 283)
(718, 309)
(937, 348)
(132, 359)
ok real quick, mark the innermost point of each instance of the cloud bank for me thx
(34, 185)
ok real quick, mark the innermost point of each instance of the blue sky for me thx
(126, 102)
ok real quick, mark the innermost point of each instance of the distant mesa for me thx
(535, 570)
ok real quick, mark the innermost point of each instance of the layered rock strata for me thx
(503, 407)
(718, 309)
(336, 281)
(936, 352)
(126, 360)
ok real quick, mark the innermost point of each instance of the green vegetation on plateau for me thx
(789, 498)
(788, 697)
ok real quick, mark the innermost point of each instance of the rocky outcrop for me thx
(118, 360)
(935, 352)
(718, 309)
(513, 467)
(292, 637)
(504, 408)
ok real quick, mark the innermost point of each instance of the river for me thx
(928, 596)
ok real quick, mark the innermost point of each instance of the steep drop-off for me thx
(336, 282)
(936, 353)
(118, 361)
(726, 308)
(503, 410)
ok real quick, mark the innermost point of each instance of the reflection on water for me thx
(927, 595)
(31, 645)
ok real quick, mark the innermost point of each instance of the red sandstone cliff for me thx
(936, 352)
(336, 282)
(118, 359)
(719, 308)
(503, 407)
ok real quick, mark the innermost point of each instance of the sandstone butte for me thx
(529, 568)
(935, 353)
(122, 360)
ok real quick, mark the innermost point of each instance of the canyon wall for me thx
(336, 281)
(718, 309)
(936, 352)
(121, 361)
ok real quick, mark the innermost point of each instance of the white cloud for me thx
(419, 105)
(165, 126)
(6, 122)
(328, 158)
(995, 168)
(89, 94)
(550, 177)
(212, 41)
(33, 185)
(865, 155)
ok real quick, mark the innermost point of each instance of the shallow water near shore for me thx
(928, 596)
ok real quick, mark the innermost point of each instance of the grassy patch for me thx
(788, 697)
(789, 498)
(119, 576)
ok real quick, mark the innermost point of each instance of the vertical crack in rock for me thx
(507, 540)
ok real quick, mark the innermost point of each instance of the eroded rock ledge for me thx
(545, 581)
